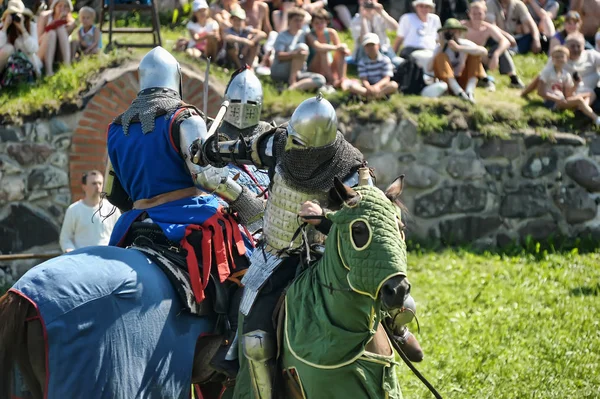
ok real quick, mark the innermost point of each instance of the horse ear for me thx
(340, 192)
(395, 189)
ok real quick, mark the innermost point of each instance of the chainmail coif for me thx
(314, 168)
(148, 105)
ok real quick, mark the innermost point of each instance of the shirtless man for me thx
(257, 15)
(495, 41)
(590, 14)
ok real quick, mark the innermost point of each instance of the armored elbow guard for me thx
(114, 191)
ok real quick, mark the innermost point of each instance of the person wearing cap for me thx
(457, 61)
(291, 52)
(512, 16)
(557, 88)
(372, 18)
(375, 71)
(418, 30)
(590, 17)
(495, 41)
(241, 42)
(204, 32)
(54, 28)
(18, 33)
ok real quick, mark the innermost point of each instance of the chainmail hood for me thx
(147, 106)
(314, 168)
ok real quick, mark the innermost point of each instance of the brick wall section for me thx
(88, 149)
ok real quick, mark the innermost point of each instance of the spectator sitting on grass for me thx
(204, 32)
(375, 70)
(583, 66)
(220, 12)
(54, 28)
(372, 18)
(512, 16)
(242, 43)
(557, 88)
(585, 62)
(457, 61)
(543, 13)
(89, 37)
(322, 41)
(291, 53)
(572, 24)
(490, 36)
(18, 33)
(418, 30)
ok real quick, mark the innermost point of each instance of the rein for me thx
(412, 368)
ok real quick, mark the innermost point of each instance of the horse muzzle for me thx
(394, 291)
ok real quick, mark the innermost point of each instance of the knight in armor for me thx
(242, 120)
(167, 199)
(302, 157)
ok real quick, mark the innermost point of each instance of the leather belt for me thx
(167, 197)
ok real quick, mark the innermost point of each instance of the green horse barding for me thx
(332, 341)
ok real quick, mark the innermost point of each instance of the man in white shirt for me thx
(418, 30)
(84, 225)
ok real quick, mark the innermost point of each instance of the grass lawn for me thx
(497, 113)
(506, 326)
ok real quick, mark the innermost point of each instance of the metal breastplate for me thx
(281, 216)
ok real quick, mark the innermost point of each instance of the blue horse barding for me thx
(101, 322)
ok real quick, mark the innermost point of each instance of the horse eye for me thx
(360, 234)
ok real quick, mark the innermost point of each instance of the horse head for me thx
(369, 239)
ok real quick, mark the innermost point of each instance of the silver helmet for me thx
(159, 68)
(245, 96)
(313, 124)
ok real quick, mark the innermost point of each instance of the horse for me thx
(112, 326)
(331, 340)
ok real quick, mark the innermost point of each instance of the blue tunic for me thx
(114, 326)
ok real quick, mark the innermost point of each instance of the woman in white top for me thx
(18, 33)
(54, 28)
(418, 30)
(204, 32)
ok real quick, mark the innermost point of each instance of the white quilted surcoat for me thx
(281, 215)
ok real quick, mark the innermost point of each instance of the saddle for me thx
(221, 299)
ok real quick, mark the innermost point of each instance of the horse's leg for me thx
(36, 353)
(14, 311)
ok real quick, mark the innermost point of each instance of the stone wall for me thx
(460, 188)
(463, 188)
(34, 187)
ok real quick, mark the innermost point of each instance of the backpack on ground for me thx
(409, 77)
(18, 70)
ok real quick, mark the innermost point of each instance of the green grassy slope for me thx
(507, 327)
